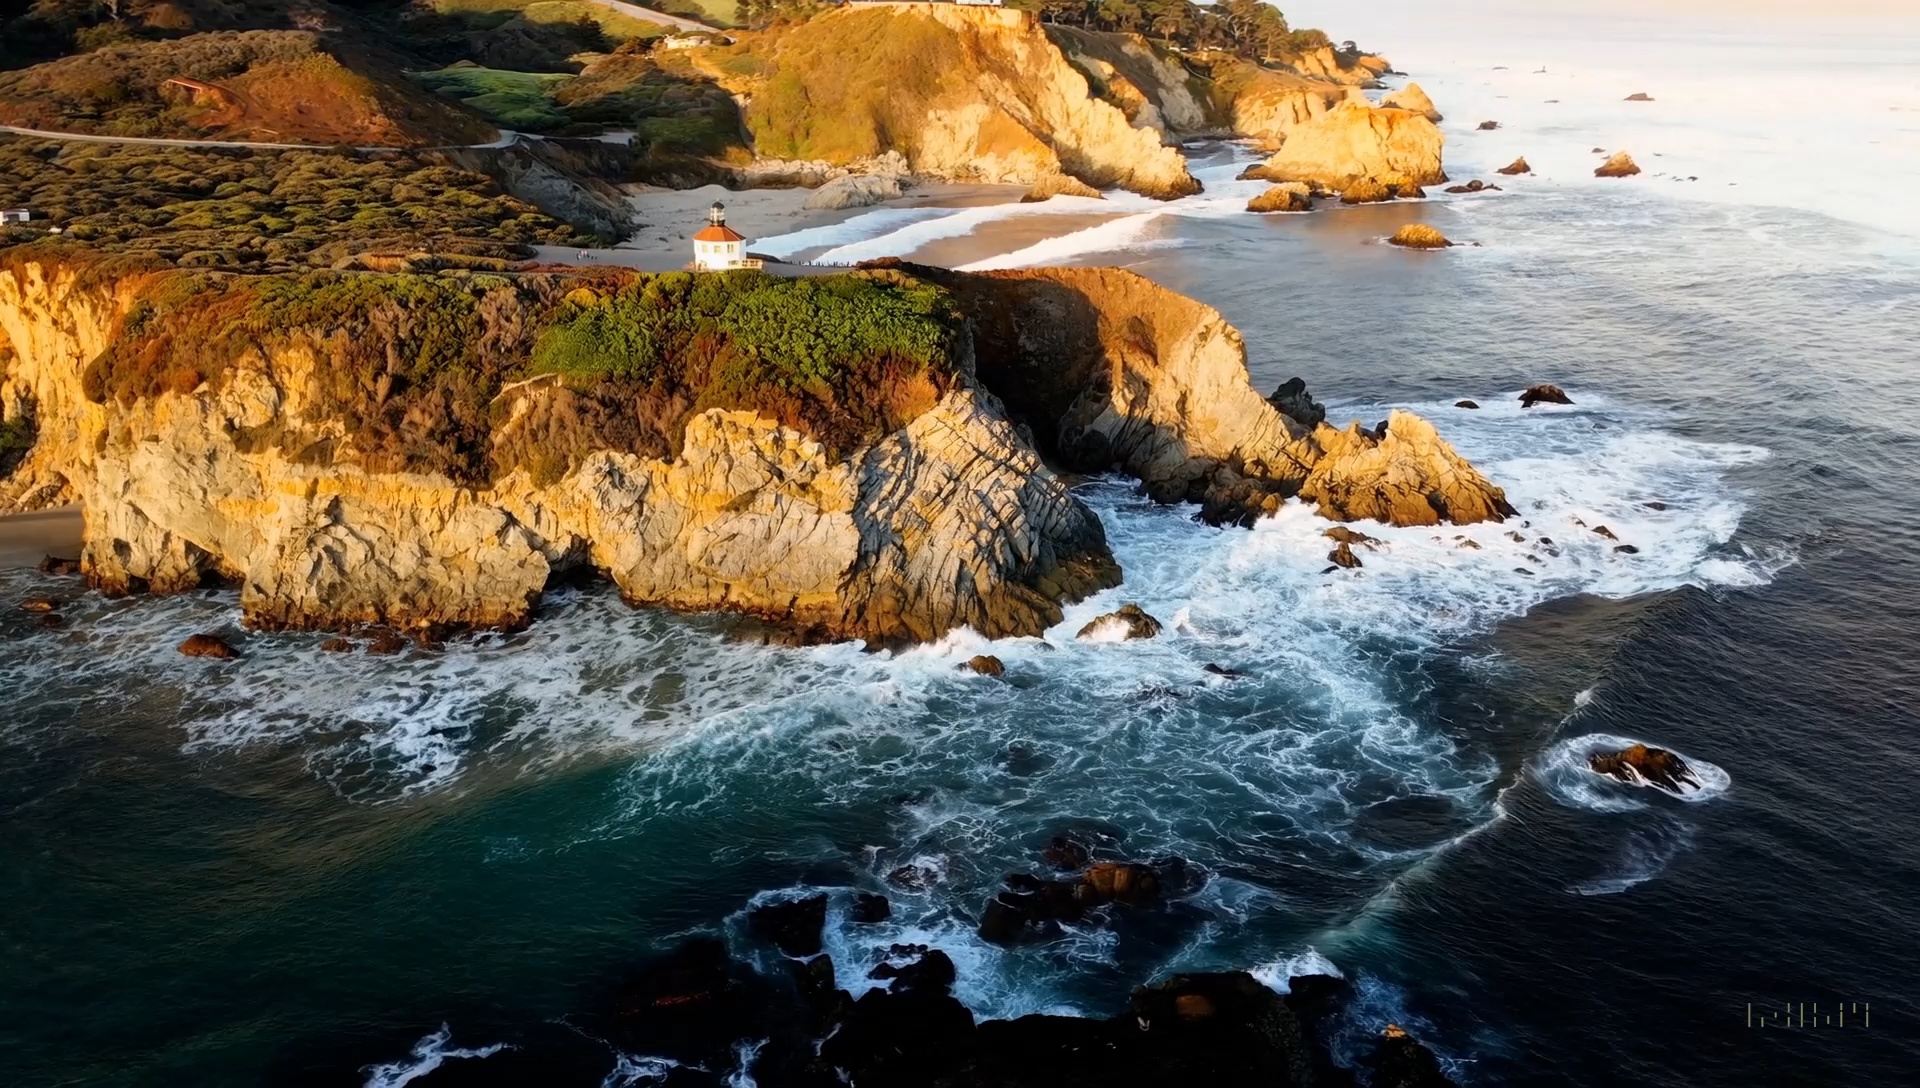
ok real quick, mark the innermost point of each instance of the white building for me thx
(719, 247)
(15, 215)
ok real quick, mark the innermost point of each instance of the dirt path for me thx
(507, 138)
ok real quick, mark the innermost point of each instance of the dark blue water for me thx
(294, 869)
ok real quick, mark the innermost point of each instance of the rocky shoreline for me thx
(891, 511)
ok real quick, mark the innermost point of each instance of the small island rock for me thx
(1419, 236)
(1287, 196)
(1641, 763)
(985, 665)
(1621, 165)
(1129, 621)
(208, 646)
(1544, 394)
(1516, 168)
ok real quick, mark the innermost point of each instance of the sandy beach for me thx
(25, 539)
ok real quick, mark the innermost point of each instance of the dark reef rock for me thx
(1067, 854)
(1345, 535)
(913, 877)
(1488, 126)
(337, 646)
(53, 564)
(46, 604)
(1640, 763)
(1029, 904)
(1465, 404)
(1515, 168)
(793, 925)
(386, 642)
(1293, 401)
(1223, 671)
(1342, 556)
(208, 646)
(911, 967)
(1544, 394)
(1399, 1061)
(869, 908)
(1601, 530)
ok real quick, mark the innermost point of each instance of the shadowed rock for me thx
(1544, 394)
(1640, 763)
(793, 925)
(1516, 168)
(985, 665)
(1488, 126)
(1342, 556)
(1288, 196)
(56, 565)
(208, 646)
(1128, 622)
(1293, 401)
(1465, 404)
(1400, 1061)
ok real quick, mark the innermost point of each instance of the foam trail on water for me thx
(430, 1053)
(1278, 975)
(1130, 233)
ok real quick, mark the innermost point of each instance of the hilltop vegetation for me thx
(414, 363)
(237, 208)
(262, 85)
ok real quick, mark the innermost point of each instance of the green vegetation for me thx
(16, 438)
(522, 101)
(1251, 28)
(673, 108)
(503, 14)
(810, 110)
(412, 365)
(239, 208)
(274, 86)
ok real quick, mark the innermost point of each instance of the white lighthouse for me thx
(718, 247)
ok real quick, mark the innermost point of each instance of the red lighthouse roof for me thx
(719, 232)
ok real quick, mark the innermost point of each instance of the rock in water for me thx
(1293, 401)
(1419, 236)
(1640, 763)
(1059, 185)
(985, 665)
(1544, 394)
(208, 646)
(55, 565)
(1474, 186)
(40, 604)
(1129, 622)
(869, 909)
(1488, 126)
(337, 646)
(1288, 196)
(1640, 96)
(1355, 140)
(1465, 404)
(1516, 168)
(1400, 1061)
(1621, 165)
(1412, 97)
(386, 643)
(1367, 190)
(1342, 556)
(793, 925)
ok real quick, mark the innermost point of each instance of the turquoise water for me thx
(298, 868)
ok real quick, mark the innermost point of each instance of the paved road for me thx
(507, 138)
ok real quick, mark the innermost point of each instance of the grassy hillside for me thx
(261, 209)
(275, 86)
(521, 101)
(502, 14)
(413, 364)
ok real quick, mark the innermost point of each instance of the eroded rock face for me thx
(1288, 196)
(1129, 622)
(854, 191)
(1515, 168)
(1412, 97)
(1544, 393)
(1356, 140)
(1111, 371)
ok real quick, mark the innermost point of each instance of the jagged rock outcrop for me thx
(1643, 763)
(1356, 141)
(1621, 165)
(1111, 371)
(1412, 97)
(950, 520)
(247, 473)
(992, 99)
(1515, 168)
(1059, 185)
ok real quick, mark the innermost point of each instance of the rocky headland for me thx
(864, 456)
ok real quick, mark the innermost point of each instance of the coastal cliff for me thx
(971, 94)
(834, 456)
(1356, 141)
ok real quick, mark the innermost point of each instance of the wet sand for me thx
(25, 539)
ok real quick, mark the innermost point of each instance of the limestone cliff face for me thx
(1355, 141)
(1113, 371)
(969, 93)
(950, 520)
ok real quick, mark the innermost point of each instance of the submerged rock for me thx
(1345, 535)
(1516, 168)
(1641, 763)
(1544, 394)
(1223, 671)
(1125, 624)
(793, 925)
(1028, 903)
(1400, 1061)
(386, 642)
(1465, 404)
(1419, 236)
(1488, 126)
(869, 908)
(338, 646)
(1640, 96)
(208, 646)
(41, 604)
(56, 565)
(1621, 165)
(1342, 556)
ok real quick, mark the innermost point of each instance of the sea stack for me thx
(1621, 165)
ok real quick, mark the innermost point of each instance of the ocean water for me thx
(317, 869)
